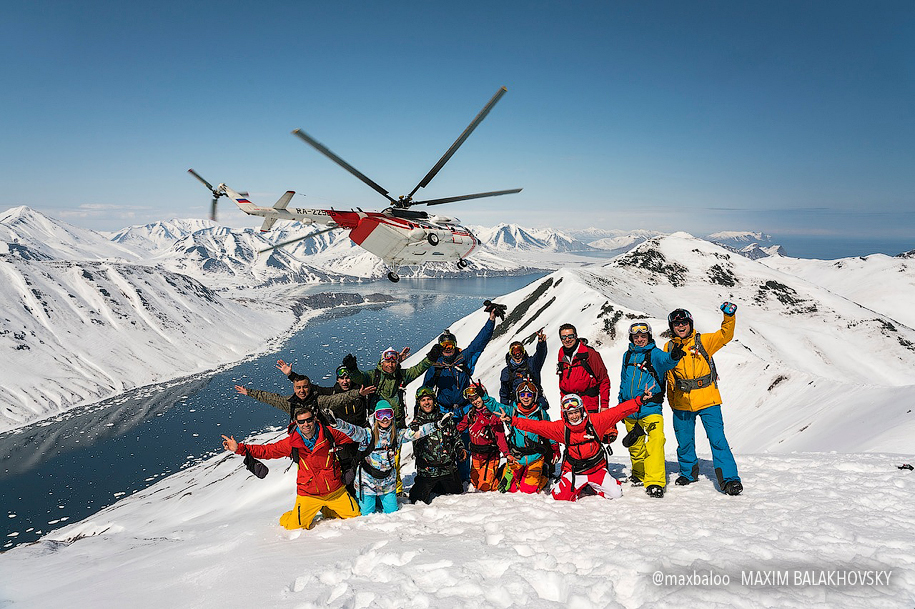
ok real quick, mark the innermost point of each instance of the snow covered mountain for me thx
(511, 237)
(752, 245)
(816, 397)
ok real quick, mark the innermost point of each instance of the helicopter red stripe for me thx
(363, 230)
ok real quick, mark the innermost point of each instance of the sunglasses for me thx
(566, 337)
(305, 421)
(390, 356)
(680, 322)
(384, 414)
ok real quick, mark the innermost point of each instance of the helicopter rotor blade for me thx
(213, 209)
(205, 183)
(297, 239)
(333, 157)
(457, 143)
(478, 195)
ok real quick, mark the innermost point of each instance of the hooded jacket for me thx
(581, 444)
(694, 366)
(514, 372)
(451, 375)
(635, 376)
(574, 377)
(387, 386)
(319, 470)
(487, 434)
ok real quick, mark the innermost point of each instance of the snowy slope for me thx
(885, 284)
(77, 331)
(208, 537)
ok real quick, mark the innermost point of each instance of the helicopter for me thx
(398, 235)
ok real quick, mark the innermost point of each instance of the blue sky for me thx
(792, 118)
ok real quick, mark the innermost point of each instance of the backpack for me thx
(658, 397)
(687, 385)
(581, 358)
(294, 455)
(372, 399)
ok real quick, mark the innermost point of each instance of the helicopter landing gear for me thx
(393, 277)
(432, 239)
(462, 264)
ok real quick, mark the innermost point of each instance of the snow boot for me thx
(655, 491)
(635, 480)
(734, 487)
(683, 481)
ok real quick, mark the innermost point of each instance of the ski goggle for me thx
(472, 393)
(390, 356)
(425, 392)
(639, 329)
(342, 372)
(525, 394)
(680, 316)
(517, 350)
(572, 402)
(383, 414)
(448, 344)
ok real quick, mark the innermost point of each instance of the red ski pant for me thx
(483, 472)
(528, 478)
(600, 481)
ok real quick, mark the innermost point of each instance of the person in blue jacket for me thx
(519, 366)
(530, 457)
(452, 372)
(646, 366)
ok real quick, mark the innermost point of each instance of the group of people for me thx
(346, 440)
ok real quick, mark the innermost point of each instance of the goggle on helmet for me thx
(679, 315)
(423, 392)
(477, 390)
(640, 327)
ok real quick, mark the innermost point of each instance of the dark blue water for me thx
(66, 468)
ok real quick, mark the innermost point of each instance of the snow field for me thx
(209, 535)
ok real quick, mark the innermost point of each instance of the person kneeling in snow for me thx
(376, 478)
(437, 454)
(584, 463)
(320, 480)
(487, 439)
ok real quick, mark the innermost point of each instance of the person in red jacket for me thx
(487, 439)
(320, 479)
(584, 463)
(582, 372)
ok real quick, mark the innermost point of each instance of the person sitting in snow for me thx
(487, 439)
(437, 454)
(319, 482)
(584, 463)
(692, 391)
(530, 457)
(376, 479)
(645, 366)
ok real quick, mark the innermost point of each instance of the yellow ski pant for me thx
(339, 504)
(647, 453)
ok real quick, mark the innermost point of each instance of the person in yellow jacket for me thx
(692, 390)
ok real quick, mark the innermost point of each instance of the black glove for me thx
(610, 437)
(434, 353)
(677, 352)
(329, 417)
(255, 467)
(634, 434)
(442, 421)
(414, 425)
(349, 362)
(499, 309)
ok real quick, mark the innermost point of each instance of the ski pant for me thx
(464, 466)
(425, 486)
(368, 504)
(338, 504)
(483, 472)
(572, 486)
(647, 453)
(397, 469)
(685, 430)
(529, 478)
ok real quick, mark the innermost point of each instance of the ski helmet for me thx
(474, 391)
(526, 386)
(390, 355)
(679, 315)
(640, 327)
(447, 337)
(572, 402)
(516, 349)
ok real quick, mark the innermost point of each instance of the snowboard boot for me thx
(683, 481)
(635, 480)
(734, 487)
(655, 491)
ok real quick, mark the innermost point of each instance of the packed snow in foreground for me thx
(811, 530)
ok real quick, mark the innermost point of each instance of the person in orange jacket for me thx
(584, 463)
(319, 481)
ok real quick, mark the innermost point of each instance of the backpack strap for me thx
(687, 385)
(646, 365)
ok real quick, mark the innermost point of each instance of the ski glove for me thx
(255, 467)
(434, 353)
(634, 434)
(349, 362)
(498, 309)
(728, 308)
(677, 352)
(442, 421)
(329, 417)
